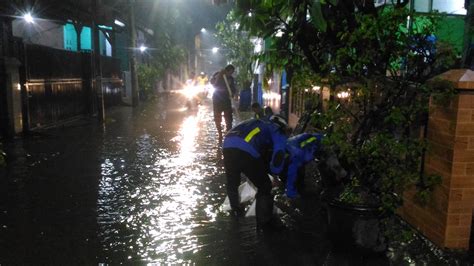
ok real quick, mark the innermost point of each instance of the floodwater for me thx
(146, 188)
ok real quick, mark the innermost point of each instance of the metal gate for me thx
(52, 101)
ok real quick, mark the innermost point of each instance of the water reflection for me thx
(150, 208)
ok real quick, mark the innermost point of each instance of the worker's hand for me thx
(276, 182)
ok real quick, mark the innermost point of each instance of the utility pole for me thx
(10, 96)
(132, 53)
(96, 64)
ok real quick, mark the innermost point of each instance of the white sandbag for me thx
(251, 210)
(247, 192)
(226, 205)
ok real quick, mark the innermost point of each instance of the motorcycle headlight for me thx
(189, 91)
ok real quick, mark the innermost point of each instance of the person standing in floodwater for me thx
(224, 91)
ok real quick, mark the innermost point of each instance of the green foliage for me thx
(443, 91)
(237, 47)
(305, 78)
(171, 25)
(147, 77)
(350, 193)
(425, 188)
(384, 62)
(169, 57)
(396, 232)
(318, 19)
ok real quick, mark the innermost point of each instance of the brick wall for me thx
(447, 218)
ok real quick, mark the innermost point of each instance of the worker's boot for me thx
(264, 212)
(236, 209)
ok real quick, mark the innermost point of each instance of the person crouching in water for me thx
(257, 111)
(244, 149)
(261, 113)
(302, 149)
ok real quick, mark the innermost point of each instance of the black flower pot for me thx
(355, 227)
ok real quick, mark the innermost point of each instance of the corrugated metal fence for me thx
(59, 84)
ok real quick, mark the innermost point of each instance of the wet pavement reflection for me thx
(146, 189)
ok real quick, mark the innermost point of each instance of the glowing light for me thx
(18, 86)
(28, 18)
(316, 88)
(119, 23)
(271, 96)
(215, 50)
(250, 14)
(143, 48)
(149, 31)
(203, 30)
(269, 81)
(190, 91)
(343, 95)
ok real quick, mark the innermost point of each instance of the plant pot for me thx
(355, 227)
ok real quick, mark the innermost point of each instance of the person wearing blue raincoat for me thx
(301, 149)
(246, 148)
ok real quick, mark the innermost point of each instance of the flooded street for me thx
(144, 188)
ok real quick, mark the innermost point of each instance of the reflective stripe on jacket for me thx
(301, 149)
(256, 137)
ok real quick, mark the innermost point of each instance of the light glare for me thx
(28, 18)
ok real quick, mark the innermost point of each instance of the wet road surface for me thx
(146, 188)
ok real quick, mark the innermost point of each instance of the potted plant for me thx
(376, 60)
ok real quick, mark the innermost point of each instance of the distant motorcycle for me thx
(193, 96)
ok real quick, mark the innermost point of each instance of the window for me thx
(450, 6)
(86, 38)
(70, 37)
(422, 6)
(454, 7)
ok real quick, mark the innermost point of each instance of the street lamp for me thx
(29, 18)
(119, 23)
(143, 48)
(203, 30)
(215, 50)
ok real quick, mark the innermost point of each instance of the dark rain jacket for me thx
(221, 93)
(301, 149)
(257, 137)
